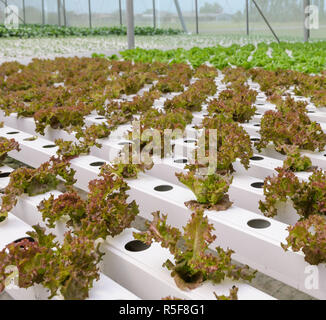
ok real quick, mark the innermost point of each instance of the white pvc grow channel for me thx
(125, 264)
(82, 164)
(255, 239)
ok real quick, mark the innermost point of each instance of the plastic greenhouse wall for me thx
(214, 16)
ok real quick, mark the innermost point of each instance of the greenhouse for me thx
(163, 150)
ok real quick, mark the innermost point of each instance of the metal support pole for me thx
(269, 26)
(180, 16)
(247, 16)
(120, 12)
(64, 12)
(306, 31)
(130, 24)
(43, 13)
(154, 15)
(197, 22)
(59, 13)
(24, 12)
(90, 13)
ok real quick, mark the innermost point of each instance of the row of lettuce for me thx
(303, 57)
(49, 31)
(60, 93)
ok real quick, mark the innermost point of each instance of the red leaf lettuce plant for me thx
(209, 176)
(210, 190)
(290, 128)
(309, 235)
(308, 197)
(193, 98)
(230, 142)
(238, 103)
(104, 213)
(6, 146)
(68, 269)
(35, 181)
(295, 161)
(193, 265)
(87, 138)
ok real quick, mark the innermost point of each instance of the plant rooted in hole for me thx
(308, 235)
(308, 197)
(35, 181)
(290, 127)
(295, 161)
(209, 190)
(227, 141)
(194, 264)
(128, 169)
(68, 269)
(232, 296)
(104, 213)
(237, 102)
(6, 146)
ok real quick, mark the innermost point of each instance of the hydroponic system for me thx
(220, 150)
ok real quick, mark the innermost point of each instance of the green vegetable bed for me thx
(38, 31)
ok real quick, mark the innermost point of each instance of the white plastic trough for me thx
(153, 202)
(233, 226)
(172, 202)
(87, 168)
(123, 267)
(4, 176)
(145, 276)
(243, 191)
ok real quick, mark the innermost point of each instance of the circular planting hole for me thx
(99, 118)
(4, 174)
(125, 143)
(136, 246)
(49, 146)
(258, 224)
(258, 185)
(190, 141)
(257, 125)
(97, 164)
(311, 111)
(13, 132)
(31, 138)
(181, 161)
(256, 158)
(257, 114)
(163, 188)
(24, 238)
(255, 139)
(260, 103)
